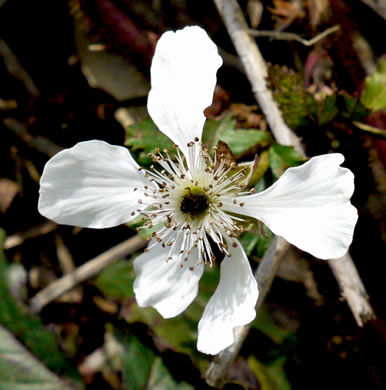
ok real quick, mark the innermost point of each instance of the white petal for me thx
(309, 206)
(183, 78)
(91, 185)
(165, 285)
(232, 304)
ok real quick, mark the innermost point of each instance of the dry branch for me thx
(287, 36)
(43, 145)
(85, 271)
(264, 275)
(344, 268)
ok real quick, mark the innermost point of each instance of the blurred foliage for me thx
(300, 107)
(293, 98)
(374, 91)
(282, 157)
(28, 327)
(178, 334)
(116, 280)
(142, 369)
(266, 325)
(270, 377)
(19, 370)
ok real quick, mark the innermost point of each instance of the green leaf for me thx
(19, 370)
(27, 327)
(351, 107)
(138, 361)
(261, 169)
(249, 241)
(264, 323)
(327, 109)
(374, 91)
(282, 157)
(240, 141)
(116, 280)
(270, 377)
(161, 379)
(179, 334)
(142, 369)
(144, 137)
(255, 242)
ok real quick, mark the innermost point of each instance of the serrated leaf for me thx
(144, 137)
(374, 91)
(282, 157)
(28, 327)
(19, 370)
(240, 141)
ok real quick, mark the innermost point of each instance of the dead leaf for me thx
(8, 191)
(255, 10)
(285, 12)
(319, 11)
(247, 116)
(224, 153)
(221, 101)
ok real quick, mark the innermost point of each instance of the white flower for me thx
(196, 200)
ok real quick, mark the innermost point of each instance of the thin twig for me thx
(288, 36)
(39, 143)
(264, 275)
(370, 129)
(85, 271)
(347, 276)
(36, 231)
(378, 6)
(16, 70)
(256, 71)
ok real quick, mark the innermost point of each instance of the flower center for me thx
(194, 202)
(188, 201)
